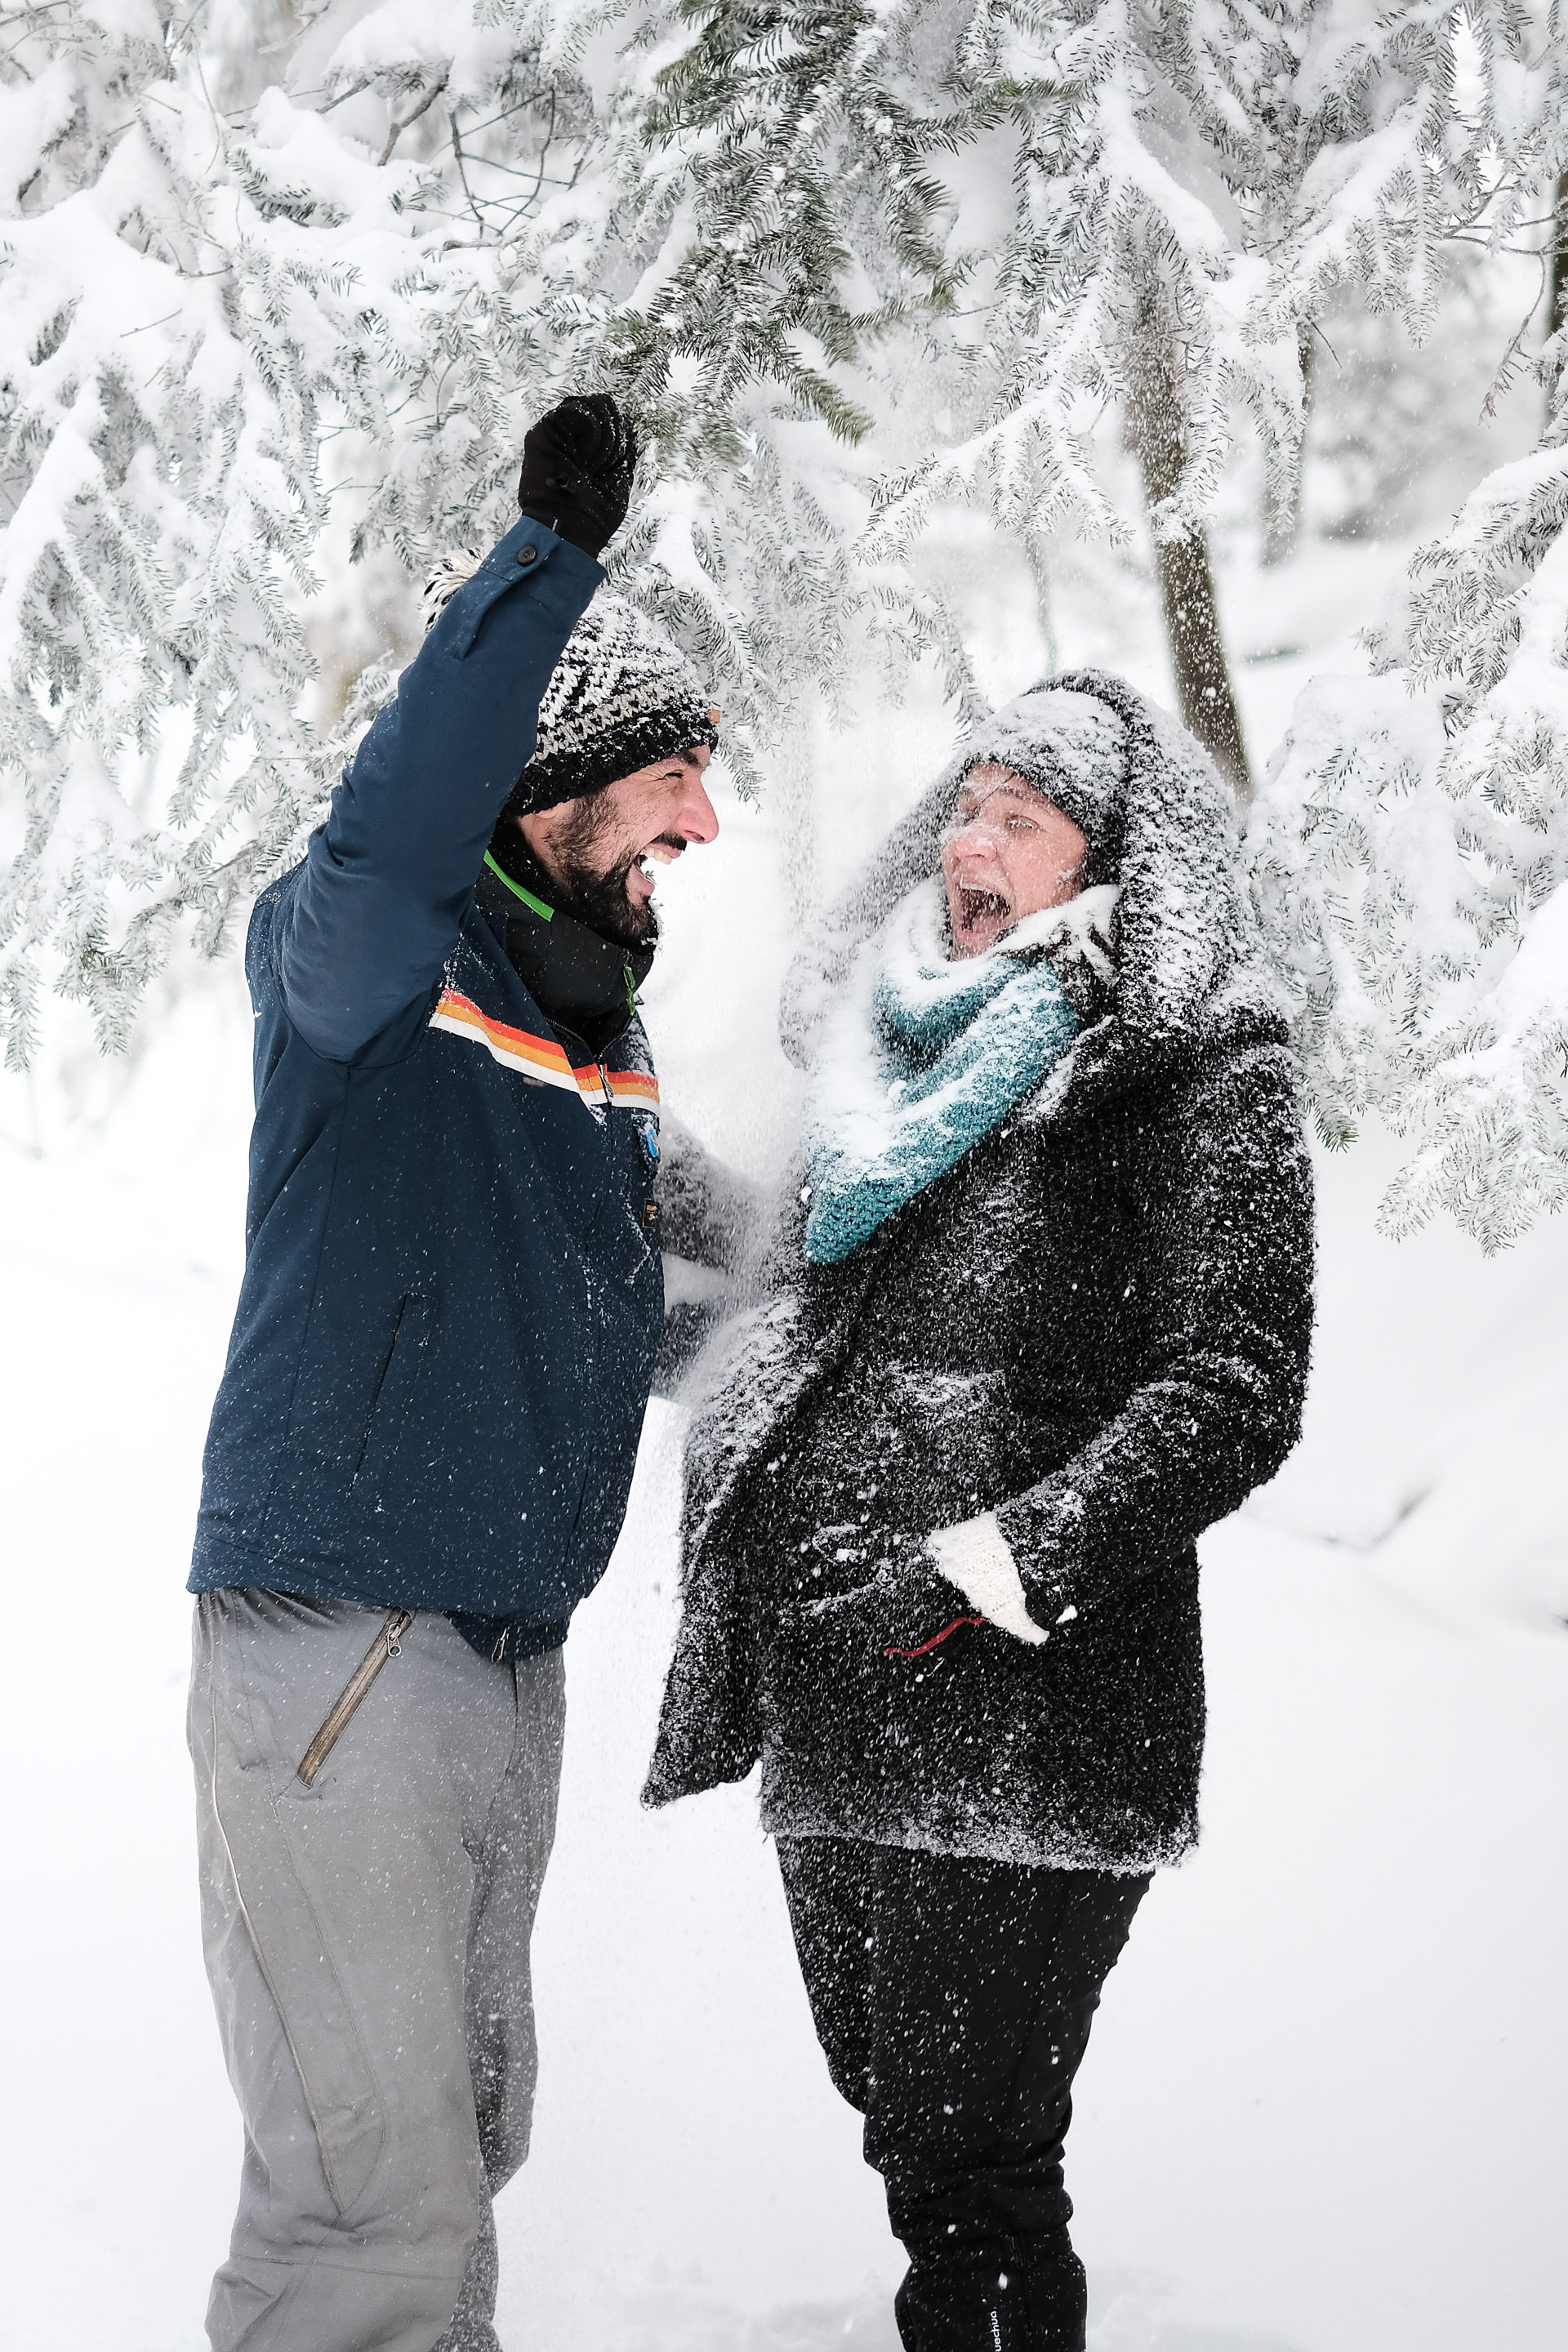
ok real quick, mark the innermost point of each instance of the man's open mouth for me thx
(658, 854)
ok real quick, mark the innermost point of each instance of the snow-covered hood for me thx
(1193, 966)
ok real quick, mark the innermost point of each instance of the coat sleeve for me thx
(706, 1211)
(381, 896)
(1226, 1262)
(711, 1223)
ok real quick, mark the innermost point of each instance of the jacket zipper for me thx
(387, 1643)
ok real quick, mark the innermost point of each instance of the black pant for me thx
(953, 2000)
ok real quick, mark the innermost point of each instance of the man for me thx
(421, 1449)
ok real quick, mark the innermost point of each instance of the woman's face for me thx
(1007, 853)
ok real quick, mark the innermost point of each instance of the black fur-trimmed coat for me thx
(1096, 1325)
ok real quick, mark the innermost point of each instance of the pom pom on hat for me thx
(458, 565)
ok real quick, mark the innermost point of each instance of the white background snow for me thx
(1322, 2111)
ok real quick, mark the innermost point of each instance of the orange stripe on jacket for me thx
(541, 1058)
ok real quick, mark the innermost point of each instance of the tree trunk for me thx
(1158, 433)
(1282, 491)
(1039, 571)
(1557, 274)
(792, 773)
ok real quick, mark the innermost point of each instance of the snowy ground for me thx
(1322, 2111)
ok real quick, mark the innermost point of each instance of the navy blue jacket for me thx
(452, 1293)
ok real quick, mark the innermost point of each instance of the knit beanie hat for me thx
(1073, 748)
(619, 699)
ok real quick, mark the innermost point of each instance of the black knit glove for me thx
(577, 467)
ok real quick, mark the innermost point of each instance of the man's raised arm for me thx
(379, 903)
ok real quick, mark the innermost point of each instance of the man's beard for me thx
(584, 889)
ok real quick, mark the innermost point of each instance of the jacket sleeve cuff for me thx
(976, 1557)
(524, 552)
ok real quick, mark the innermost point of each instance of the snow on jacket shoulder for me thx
(451, 1301)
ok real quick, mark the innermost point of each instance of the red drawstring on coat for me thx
(934, 1639)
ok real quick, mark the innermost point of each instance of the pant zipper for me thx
(386, 1644)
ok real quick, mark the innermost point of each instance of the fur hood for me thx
(1192, 969)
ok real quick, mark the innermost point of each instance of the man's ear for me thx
(536, 829)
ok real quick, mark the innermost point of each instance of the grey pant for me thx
(367, 1943)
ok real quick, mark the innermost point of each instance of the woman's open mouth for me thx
(980, 910)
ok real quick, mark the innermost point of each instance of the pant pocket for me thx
(386, 1646)
(254, 1874)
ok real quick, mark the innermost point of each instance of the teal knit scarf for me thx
(924, 1056)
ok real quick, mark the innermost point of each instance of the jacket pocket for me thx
(394, 1395)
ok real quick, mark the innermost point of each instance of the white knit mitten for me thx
(976, 1557)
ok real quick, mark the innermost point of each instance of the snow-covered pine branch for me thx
(281, 288)
(269, 306)
(1043, 211)
(1410, 855)
(160, 511)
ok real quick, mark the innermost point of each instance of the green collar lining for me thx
(537, 906)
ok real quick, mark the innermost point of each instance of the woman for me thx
(1041, 1313)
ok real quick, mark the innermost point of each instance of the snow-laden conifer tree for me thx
(158, 503)
(281, 286)
(278, 288)
(1411, 860)
(1040, 212)
(1410, 852)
